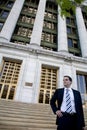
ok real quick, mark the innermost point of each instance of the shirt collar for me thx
(70, 89)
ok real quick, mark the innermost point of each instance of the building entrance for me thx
(48, 84)
(8, 79)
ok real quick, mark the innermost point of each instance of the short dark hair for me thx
(68, 77)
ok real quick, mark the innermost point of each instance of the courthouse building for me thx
(38, 47)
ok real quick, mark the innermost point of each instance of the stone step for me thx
(25, 120)
(24, 110)
(27, 116)
(7, 127)
(27, 124)
(44, 108)
(23, 105)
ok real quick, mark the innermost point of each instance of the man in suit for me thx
(73, 119)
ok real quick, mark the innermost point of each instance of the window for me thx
(48, 37)
(50, 15)
(23, 29)
(71, 30)
(2, 2)
(31, 10)
(4, 14)
(49, 25)
(27, 19)
(70, 21)
(43, 36)
(72, 36)
(70, 42)
(82, 85)
(85, 18)
(1, 25)
(5, 7)
(68, 30)
(24, 32)
(75, 45)
(49, 33)
(9, 4)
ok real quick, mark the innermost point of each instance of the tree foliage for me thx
(68, 5)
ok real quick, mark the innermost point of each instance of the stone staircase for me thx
(24, 116)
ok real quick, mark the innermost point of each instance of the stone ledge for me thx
(37, 50)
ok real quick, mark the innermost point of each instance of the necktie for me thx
(68, 102)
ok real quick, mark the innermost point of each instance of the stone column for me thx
(38, 24)
(81, 31)
(0, 64)
(11, 21)
(62, 33)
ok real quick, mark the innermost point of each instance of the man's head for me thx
(67, 81)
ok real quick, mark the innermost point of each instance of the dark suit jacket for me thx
(56, 102)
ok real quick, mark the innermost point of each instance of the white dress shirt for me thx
(63, 106)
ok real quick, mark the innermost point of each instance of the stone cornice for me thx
(37, 50)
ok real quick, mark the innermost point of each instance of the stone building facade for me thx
(38, 47)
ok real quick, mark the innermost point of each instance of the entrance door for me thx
(48, 84)
(9, 77)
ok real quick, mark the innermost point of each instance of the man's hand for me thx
(59, 113)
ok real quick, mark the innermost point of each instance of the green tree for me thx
(69, 5)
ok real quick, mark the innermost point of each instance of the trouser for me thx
(67, 122)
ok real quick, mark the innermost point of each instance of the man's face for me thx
(66, 82)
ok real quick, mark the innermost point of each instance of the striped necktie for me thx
(68, 102)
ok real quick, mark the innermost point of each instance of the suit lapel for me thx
(62, 93)
(75, 97)
(60, 98)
